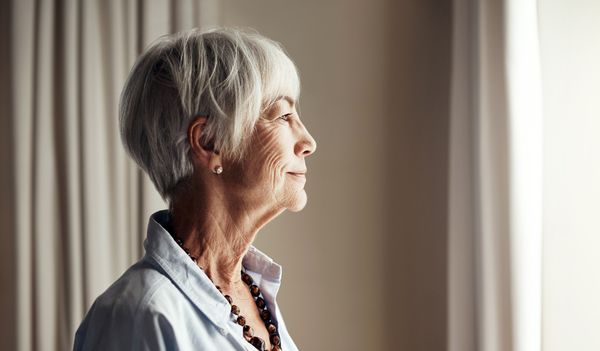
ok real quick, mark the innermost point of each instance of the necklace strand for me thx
(265, 314)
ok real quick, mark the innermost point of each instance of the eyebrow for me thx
(289, 99)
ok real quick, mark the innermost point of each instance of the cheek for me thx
(272, 154)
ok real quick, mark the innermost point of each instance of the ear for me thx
(204, 156)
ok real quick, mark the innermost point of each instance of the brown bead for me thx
(271, 328)
(241, 320)
(254, 290)
(275, 340)
(258, 342)
(265, 315)
(219, 288)
(235, 310)
(247, 279)
(260, 302)
(229, 299)
(248, 332)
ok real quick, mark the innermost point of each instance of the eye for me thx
(286, 117)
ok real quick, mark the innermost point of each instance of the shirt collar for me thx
(191, 280)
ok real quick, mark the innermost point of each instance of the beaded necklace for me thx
(265, 314)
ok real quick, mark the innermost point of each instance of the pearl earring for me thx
(218, 170)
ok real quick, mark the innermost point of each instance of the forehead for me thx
(285, 98)
(280, 102)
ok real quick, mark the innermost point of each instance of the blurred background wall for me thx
(376, 260)
(570, 35)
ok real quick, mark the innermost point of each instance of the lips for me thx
(299, 173)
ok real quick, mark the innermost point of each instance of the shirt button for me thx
(222, 331)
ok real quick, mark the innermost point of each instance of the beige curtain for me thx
(74, 207)
(495, 178)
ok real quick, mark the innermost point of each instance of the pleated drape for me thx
(76, 206)
(495, 178)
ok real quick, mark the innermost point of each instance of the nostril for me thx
(306, 146)
(307, 149)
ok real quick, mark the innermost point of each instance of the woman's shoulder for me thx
(136, 290)
(138, 300)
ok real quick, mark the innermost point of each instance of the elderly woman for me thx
(212, 119)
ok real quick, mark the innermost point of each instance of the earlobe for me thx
(215, 163)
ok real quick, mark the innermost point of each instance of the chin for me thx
(298, 203)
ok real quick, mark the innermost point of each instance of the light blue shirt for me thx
(166, 302)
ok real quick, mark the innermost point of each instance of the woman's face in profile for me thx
(274, 170)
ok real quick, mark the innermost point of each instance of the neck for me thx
(218, 231)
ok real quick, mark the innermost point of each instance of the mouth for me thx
(298, 175)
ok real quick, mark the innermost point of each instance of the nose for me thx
(306, 145)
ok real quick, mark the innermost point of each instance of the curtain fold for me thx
(80, 205)
(495, 180)
(7, 180)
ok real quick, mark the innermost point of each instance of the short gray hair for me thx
(227, 74)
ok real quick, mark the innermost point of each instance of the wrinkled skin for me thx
(279, 145)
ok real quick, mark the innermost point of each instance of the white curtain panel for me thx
(495, 183)
(78, 205)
